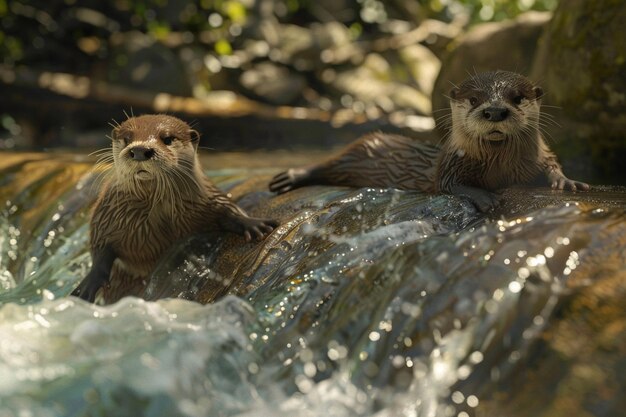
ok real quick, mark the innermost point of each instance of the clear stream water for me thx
(365, 302)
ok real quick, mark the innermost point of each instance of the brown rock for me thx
(508, 45)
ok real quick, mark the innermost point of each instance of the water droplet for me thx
(523, 273)
(458, 397)
(472, 401)
(476, 357)
(310, 369)
(515, 287)
(464, 372)
(253, 368)
(304, 384)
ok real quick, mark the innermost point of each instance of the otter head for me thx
(153, 150)
(495, 109)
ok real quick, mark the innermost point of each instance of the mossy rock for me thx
(582, 62)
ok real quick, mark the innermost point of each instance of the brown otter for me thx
(494, 142)
(156, 193)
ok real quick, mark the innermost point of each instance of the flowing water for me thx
(365, 302)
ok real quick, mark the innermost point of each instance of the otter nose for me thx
(141, 153)
(495, 114)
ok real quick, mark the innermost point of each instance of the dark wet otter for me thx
(494, 142)
(156, 193)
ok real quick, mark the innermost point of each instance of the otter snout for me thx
(495, 114)
(141, 153)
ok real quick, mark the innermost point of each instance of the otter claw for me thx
(258, 229)
(567, 184)
(288, 180)
(582, 185)
(281, 183)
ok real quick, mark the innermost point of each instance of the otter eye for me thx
(167, 140)
(518, 99)
(126, 140)
(473, 101)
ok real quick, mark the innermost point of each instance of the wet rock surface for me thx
(366, 301)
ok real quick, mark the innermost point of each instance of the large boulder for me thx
(140, 62)
(508, 45)
(582, 64)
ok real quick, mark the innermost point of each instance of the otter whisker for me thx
(549, 106)
(183, 184)
(106, 150)
(185, 177)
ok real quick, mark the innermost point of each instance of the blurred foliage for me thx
(495, 10)
(37, 31)
(73, 31)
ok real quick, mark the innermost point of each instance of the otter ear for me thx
(538, 92)
(195, 138)
(194, 135)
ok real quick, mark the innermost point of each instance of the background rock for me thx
(508, 45)
(582, 64)
(140, 62)
(337, 62)
(273, 84)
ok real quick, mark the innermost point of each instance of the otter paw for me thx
(564, 183)
(87, 290)
(483, 200)
(288, 180)
(256, 228)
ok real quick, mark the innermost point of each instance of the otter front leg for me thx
(249, 227)
(454, 170)
(483, 200)
(103, 259)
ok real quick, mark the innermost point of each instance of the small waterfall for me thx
(364, 302)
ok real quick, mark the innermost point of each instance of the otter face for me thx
(496, 107)
(152, 149)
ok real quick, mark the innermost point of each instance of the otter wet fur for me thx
(155, 194)
(495, 141)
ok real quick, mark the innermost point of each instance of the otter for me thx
(495, 141)
(155, 194)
